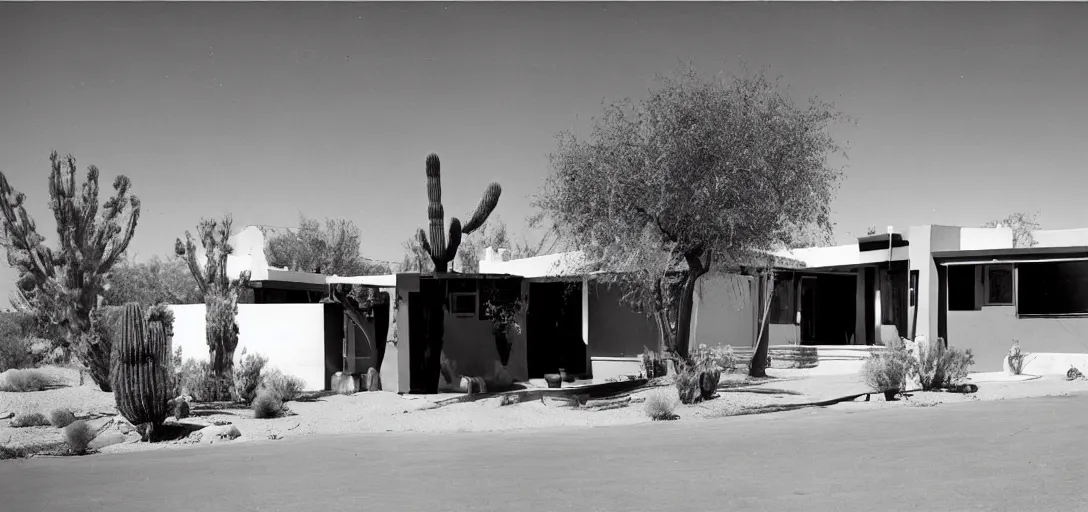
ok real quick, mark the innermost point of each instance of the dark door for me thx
(808, 310)
(417, 342)
(554, 330)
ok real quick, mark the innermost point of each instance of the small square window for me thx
(998, 285)
(463, 304)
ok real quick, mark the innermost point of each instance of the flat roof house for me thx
(969, 286)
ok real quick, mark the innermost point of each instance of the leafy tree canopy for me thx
(330, 249)
(703, 172)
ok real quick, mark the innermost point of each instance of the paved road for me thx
(1025, 455)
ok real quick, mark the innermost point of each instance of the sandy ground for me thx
(388, 412)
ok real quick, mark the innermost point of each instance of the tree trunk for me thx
(683, 317)
(757, 367)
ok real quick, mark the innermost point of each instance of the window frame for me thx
(453, 304)
(986, 298)
(1019, 314)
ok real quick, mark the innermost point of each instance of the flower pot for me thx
(553, 380)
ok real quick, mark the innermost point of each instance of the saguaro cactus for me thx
(140, 366)
(442, 252)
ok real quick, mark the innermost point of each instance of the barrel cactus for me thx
(140, 366)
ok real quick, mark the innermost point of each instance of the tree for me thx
(492, 234)
(334, 250)
(65, 285)
(220, 294)
(1022, 224)
(703, 173)
(416, 259)
(155, 281)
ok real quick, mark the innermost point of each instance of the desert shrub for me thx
(660, 405)
(247, 376)
(287, 387)
(22, 381)
(15, 352)
(941, 367)
(653, 363)
(267, 405)
(61, 417)
(888, 370)
(32, 419)
(78, 435)
(195, 379)
(1016, 358)
(718, 356)
(688, 385)
(176, 365)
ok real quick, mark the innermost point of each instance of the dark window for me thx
(999, 284)
(1052, 288)
(961, 288)
(463, 304)
(782, 303)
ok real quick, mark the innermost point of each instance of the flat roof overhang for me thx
(1011, 255)
(288, 285)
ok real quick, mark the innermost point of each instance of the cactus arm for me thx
(120, 245)
(20, 232)
(435, 212)
(188, 251)
(455, 239)
(483, 210)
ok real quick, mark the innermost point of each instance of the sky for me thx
(962, 112)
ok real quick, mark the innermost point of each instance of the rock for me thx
(373, 380)
(215, 434)
(344, 383)
(181, 409)
(107, 438)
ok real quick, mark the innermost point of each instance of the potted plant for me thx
(503, 314)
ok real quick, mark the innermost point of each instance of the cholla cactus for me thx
(140, 365)
(65, 285)
(220, 294)
(441, 252)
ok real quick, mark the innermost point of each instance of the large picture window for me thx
(1052, 288)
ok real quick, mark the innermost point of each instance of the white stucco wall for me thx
(985, 238)
(291, 336)
(1061, 237)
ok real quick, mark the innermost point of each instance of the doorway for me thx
(808, 309)
(828, 309)
(554, 329)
